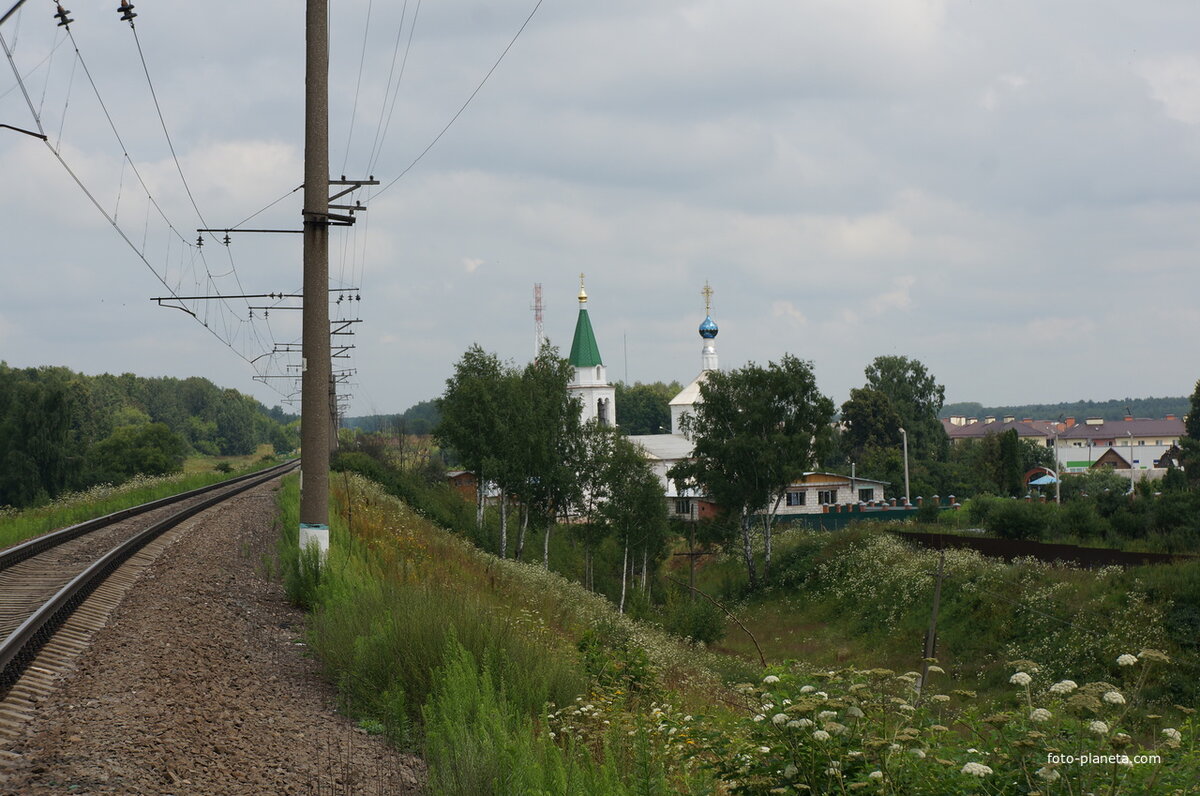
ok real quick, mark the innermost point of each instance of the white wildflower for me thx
(1126, 660)
(821, 694)
(937, 670)
(1173, 735)
(779, 719)
(770, 679)
(875, 775)
(1020, 678)
(1098, 727)
(794, 723)
(1063, 687)
(1114, 698)
(808, 689)
(825, 715)
(976, 769)
(821, 735)
(790, 771)
(759, 717)
(1040, 714)
(1048, 773)
(920, 753)
(764, 749)
(854, 712)
(940, 698)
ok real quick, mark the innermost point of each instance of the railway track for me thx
(46, 616)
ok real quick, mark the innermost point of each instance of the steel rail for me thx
(32, 547)
(20, 648)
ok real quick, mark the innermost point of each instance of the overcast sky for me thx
(1007, 191)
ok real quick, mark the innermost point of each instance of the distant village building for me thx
(814, 492)
(1145, 444)
(1149, 446)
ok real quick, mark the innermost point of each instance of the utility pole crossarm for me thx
(23, 130)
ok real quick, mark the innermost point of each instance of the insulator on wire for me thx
(226, 238)
(61, 14)
(126, 10)
(357, 297)
(199, 241)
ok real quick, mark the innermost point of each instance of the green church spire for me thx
(584, 351)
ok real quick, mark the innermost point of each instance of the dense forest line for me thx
(1114, 409)
(63, 431)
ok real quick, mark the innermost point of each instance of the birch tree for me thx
(756, 429)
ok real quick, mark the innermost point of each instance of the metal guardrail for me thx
(22, 645)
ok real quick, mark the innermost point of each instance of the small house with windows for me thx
(812, 492)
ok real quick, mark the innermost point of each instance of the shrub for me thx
(1019, 519)
(694, 618)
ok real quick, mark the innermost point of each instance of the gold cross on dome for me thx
(582, 292)
(707, 293)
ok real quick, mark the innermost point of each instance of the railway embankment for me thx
(198, 683)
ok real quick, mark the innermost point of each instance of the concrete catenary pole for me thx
(315, 405)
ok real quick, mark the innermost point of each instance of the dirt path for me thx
(200, 685)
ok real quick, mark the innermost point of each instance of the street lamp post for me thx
(1057, 473)
(904, 437)
(1131, 468)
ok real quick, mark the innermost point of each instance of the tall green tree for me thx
(547, 446)
(645, 408)
(149, 449)
(1189, 445)
(756, 430)
(916, 398)
(870, 421)
(635, 509)
(470, 416)
(1010, 463)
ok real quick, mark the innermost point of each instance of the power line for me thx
(358, 84)
(459, 112)
(380, 129)
(232, 332)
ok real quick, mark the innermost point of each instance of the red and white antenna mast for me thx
(539, 330)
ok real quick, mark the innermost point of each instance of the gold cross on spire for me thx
(707, 293)
(582, 292)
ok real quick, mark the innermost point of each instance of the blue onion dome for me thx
(708, 329)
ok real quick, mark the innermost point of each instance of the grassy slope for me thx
(199, 471)
(860, 598)
(400, 596)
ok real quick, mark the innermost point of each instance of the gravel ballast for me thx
(199, 684)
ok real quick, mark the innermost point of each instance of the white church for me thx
(599, 402)
(665, 450)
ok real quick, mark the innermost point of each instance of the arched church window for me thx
(597, 373)
(602, 411)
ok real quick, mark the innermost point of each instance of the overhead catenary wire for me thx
(362, 59)
(463, 108)
(390, 93)
(231, 333)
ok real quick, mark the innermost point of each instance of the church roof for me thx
(584, 351)
(690, 395)
(664, 447)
